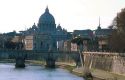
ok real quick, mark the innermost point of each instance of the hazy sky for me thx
(71, 14)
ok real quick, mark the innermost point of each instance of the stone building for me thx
(46, 34)
(74, 47)
(28, 43)
(87, 36)
(102, 36)
(60, 45)
(67, 45)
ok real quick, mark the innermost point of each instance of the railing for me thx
(104, 53)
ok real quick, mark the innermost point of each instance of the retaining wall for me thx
(111, 62)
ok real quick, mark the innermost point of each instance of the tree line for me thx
(117, 38)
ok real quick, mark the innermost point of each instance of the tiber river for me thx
(9, 72)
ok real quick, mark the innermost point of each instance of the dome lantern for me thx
(47, 10)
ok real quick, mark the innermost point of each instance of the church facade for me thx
(46, 34)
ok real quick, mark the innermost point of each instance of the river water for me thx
(9, 72)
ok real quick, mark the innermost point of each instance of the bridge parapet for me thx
(48, 56)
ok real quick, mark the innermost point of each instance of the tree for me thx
(14, 45)
(10, 45)
(117, 39)
(78, 40)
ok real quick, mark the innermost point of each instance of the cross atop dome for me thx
(47, 9)
(99, 27)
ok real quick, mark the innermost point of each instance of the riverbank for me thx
(68, 66)
(96, 73)
(7, 60)
(101, 74)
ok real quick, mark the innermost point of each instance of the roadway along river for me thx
(9, 72)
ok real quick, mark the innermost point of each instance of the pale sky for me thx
(70, 14)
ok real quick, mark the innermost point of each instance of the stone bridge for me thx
(50, 57)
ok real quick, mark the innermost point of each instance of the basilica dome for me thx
(46, 17)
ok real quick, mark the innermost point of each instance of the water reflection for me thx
(8, 72)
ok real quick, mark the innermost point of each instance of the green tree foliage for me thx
(117, 39)
(78, 40)
(13, 45)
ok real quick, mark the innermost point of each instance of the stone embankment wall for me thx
(111, 62)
